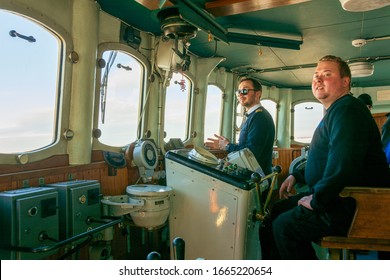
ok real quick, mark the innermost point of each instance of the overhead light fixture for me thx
(363, 5)
(361, 69)
(361, 42)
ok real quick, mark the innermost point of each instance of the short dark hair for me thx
(366, 99)
(255, 82)
(344, 69)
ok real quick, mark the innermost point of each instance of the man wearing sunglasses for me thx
(258, 131)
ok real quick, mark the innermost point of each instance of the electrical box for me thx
(79, 202)
(167, 59)
(246, 159)
(130, 36)
(28, 218)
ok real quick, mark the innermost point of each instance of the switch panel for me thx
(79, 200)
(28, 218)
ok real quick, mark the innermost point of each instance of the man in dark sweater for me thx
(346, 150)
(386, 137)
(257, 133)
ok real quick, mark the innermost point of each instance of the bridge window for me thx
(240, 118)
(271, 107)
(177, 104)
(30, 58)
(213, 111)
(120, 91)
(268, 104)
(306, 116)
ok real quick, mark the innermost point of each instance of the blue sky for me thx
(28, 81)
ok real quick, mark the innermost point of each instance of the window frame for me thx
(62, 94)
(276, 115)
(292, 112)
(189, 113)
(96, 144)
(237, 114)
(219, 131)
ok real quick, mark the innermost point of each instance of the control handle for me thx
(178, 248)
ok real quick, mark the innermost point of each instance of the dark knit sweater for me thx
(346, 150)
(257, 134)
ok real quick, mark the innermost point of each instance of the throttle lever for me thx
(153, 256)
(263, 213)
(257, 178)
(178, 248)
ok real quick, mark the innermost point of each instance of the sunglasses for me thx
(244, 91)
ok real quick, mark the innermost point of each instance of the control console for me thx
(238, 172)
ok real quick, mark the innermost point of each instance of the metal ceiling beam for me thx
(200, 18)
(264, 41)
(220, 8)
(155, 4)
(249, 69)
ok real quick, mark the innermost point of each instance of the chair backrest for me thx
(372, 215)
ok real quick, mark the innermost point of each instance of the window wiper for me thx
(127, 68)
(103, 84)
(30, 39)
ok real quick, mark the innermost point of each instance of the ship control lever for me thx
(263, 213)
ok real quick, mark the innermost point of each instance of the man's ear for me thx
(347, 82)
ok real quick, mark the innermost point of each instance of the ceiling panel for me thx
(324, 27)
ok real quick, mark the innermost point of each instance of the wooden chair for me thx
(370, 228)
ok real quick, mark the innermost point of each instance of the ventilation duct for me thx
(361, 69)
(363, 5)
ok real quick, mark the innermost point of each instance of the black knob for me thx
(256, 177)
(277, 169)
(153, 256)
(178, 248)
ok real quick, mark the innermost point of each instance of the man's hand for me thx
(305, 201)
(287, 188)
(219, 142)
